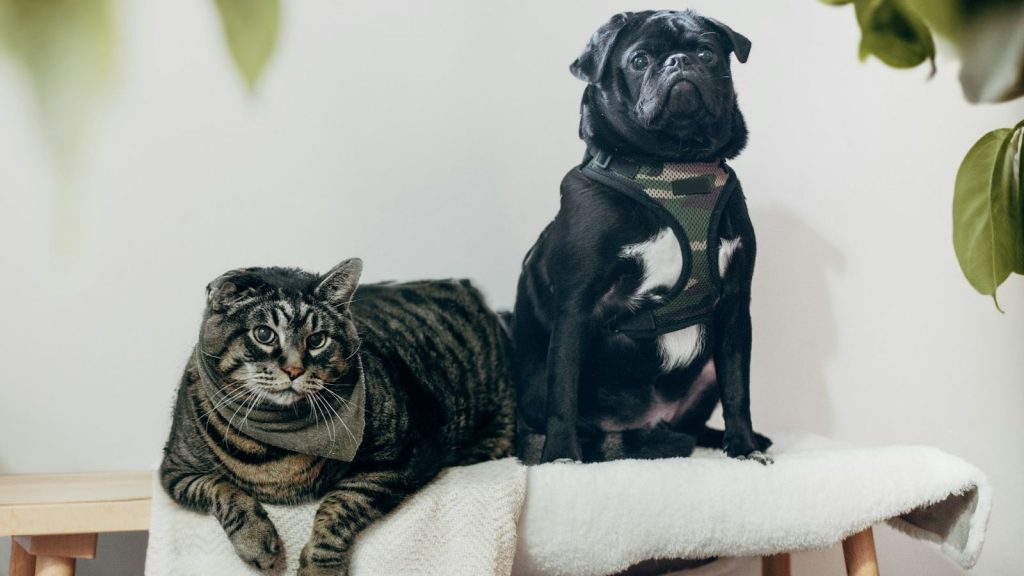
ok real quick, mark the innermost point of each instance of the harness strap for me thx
(689, 198)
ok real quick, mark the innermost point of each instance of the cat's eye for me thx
(264, 334)
(640, 62)
(316, 340)
(706, 54)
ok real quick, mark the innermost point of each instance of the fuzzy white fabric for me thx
(599, 519)
(462, 524)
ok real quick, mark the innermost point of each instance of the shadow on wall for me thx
(5, 555)
(117, 554)
(794, 323)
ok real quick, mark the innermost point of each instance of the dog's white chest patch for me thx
(661, 259)
(726, 250)
(680, 348)
(662, 263)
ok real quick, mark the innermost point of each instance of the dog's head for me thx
(660, 87)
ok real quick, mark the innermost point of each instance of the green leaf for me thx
(945, 17)
(67, 48)
(1011, 175)
(992, 54)
(894, 34)
(250, 27)
(983, 218)
(836, 2)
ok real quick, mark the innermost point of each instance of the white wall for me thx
(429, 138)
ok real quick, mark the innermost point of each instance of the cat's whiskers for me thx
(316, 418)
(327, 423)
(257, 400)
(228, 397)
(325, 406)
(354, 352)
(344, 400)
(338, 416)
(244, 402)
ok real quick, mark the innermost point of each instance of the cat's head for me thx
(277, 335)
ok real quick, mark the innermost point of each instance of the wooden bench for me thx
(56, 518)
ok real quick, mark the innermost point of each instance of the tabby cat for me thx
(297, 391)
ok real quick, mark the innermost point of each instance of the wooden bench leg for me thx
(22, 563)
(52, 555)
(775, 565)
(859, 552)
(55, 566)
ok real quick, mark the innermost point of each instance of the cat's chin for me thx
(284, 397)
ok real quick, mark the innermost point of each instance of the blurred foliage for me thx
(894, 34)
(67, 48)
(988, 35)
(250, 27)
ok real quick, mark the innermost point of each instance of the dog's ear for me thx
(590, 65)
(738, 42)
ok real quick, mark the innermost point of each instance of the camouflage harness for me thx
(689, 198)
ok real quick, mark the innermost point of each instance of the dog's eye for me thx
(706, 54)
(640, 62)
(263, 334)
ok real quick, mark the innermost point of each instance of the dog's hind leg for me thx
(642, 444)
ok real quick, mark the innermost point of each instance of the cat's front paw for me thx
(315, 570)
(322, 562)
(256, 541)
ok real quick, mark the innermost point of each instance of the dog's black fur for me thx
(654, 95)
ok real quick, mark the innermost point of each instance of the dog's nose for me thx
(294, 371)
(677, 61)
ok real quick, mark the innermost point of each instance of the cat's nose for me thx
(294, 371)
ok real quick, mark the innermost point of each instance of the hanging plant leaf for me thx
(67, 49)
(894, 34)
(987, 215)
(250, 27)
(837, 2)
(1012, 180)
(992, 49)
(945, 17)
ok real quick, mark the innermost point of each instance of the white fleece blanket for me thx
(462, 524)
(599, 519)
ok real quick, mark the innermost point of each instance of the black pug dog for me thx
(632, 317)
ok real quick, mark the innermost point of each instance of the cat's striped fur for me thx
(438, 393)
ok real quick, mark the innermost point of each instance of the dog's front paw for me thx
(256, 541)
(560, 452)
(757, 456)
(313, 562)
(745, 447)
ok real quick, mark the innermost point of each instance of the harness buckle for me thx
(603, 159)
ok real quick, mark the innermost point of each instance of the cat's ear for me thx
(231, 287)
(339, 285)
